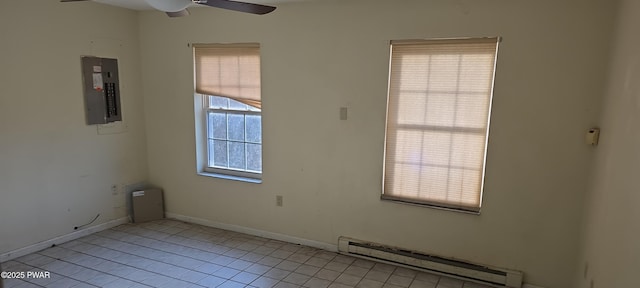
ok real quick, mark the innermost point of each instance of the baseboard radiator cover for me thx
(498, 277)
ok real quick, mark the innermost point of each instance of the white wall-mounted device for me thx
(592, 136)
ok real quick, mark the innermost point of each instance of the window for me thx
(228, 86)
(439, 102)
(234, 136)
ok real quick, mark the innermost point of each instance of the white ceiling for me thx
(142, 5)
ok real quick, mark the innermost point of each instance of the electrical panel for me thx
(101, 90)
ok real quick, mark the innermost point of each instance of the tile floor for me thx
(174, 254)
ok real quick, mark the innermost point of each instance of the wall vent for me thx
(435, 264)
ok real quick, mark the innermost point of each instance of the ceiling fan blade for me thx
(180, 13)
(238, 6)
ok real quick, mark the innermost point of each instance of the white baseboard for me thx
(254, 232)
(61, 239)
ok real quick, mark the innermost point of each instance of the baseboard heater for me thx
(449, 267)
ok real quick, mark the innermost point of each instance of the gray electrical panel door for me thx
(101, 90)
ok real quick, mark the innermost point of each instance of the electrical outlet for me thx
(119, 199)
(279, 200)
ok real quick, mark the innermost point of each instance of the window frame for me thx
(465, 130)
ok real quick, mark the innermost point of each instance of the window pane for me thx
(236, 155)
(254, 128)
(217, 126)
(235, 105)
(254, 157)
(234, 138)
(210, 149)
(216, 102)
(236, 127)
(219, 154)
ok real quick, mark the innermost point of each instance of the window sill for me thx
(230, 177)
(429, 205)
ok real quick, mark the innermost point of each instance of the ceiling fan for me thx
(177, 8)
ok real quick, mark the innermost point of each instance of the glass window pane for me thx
(216, 102)
(234, 138)
(210, 149)
(254, 128)
(236, 155)
(254, 157)
(236, 127)
(235, 105)
(219, 152)
(217, 125)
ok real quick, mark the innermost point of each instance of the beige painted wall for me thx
(322, 55)
(56, 172)
(612, 247)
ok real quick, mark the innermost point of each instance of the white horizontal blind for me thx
(229, 70)
(437, 121)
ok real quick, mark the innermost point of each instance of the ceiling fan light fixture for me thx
(169, 5)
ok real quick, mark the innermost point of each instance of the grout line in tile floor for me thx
(174, 254)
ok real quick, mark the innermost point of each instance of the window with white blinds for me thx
(227, 79)
(439, 104)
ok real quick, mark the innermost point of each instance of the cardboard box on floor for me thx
(148, 205)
